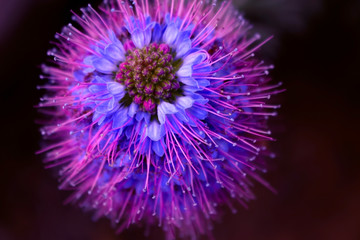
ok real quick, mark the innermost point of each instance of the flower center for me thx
(149, 75)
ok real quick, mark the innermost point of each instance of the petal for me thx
(158, 148)
(111, 104)
(182, 116)
(198, 113)
(155, 131)
(203, 82)
(189, 90)
(167, 18)
(147, 117)
(182, 48)
(133, 108)
(170, 34)
(137, 36)
(148, 20)
(139, 116)
(102, 79)
(199, 98)
(183, 36)
(103, 107)
(184, 102)
(113, 37)
(165, 108)
(202, 68)
(143, 115)
(115, 88)
(195, 58)
(157, 32)
(104, 66)
(188, 81)
(185, 71)
(99, 117)
(147, 35)
(120, 118)
(115, 53)
(97, 89)
(89, 60)
(175, 124)
(79, 76)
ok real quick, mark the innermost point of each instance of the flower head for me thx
(158, 112)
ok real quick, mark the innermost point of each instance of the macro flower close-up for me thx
(158, 112)
(179, 119)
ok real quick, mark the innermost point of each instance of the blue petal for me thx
(128, 132)
(147, 35)
(147, 117)
(89, 61)
(79, 76)
(115, 88)
(137, 36)
(184, 102)
(120, 118)
(175, 126)
(167, 18)
(116, 134)
(98, 80)
(165, 108)
(158, 148)
(98, 89)
(170, 34)
(104, 107)
(204, 83)
(104, 66)
(195, 58)
(157, 32)
(202, 68)
(198, 113)
(112, 104)
(98, 117)
(182, 116)
(178, 22)
(183, 36)
(148, 20)
(183, 48)
(155, 131)
(185, 71)
(99, 50)
(113, 37)
(143, 115)
(139, 116)
(115, 53)
(189, 90)
(133, 108)
(199, 98)
(188, 81)
(183, 43)
(104, 79)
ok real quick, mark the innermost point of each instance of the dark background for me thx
(317, 170)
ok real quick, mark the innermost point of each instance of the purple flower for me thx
(158, 115)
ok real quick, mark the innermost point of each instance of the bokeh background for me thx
(316, 51)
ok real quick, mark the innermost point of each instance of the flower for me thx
(157, 112)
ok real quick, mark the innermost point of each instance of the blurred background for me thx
(316, 51)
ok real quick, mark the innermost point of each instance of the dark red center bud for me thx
(149, 75)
